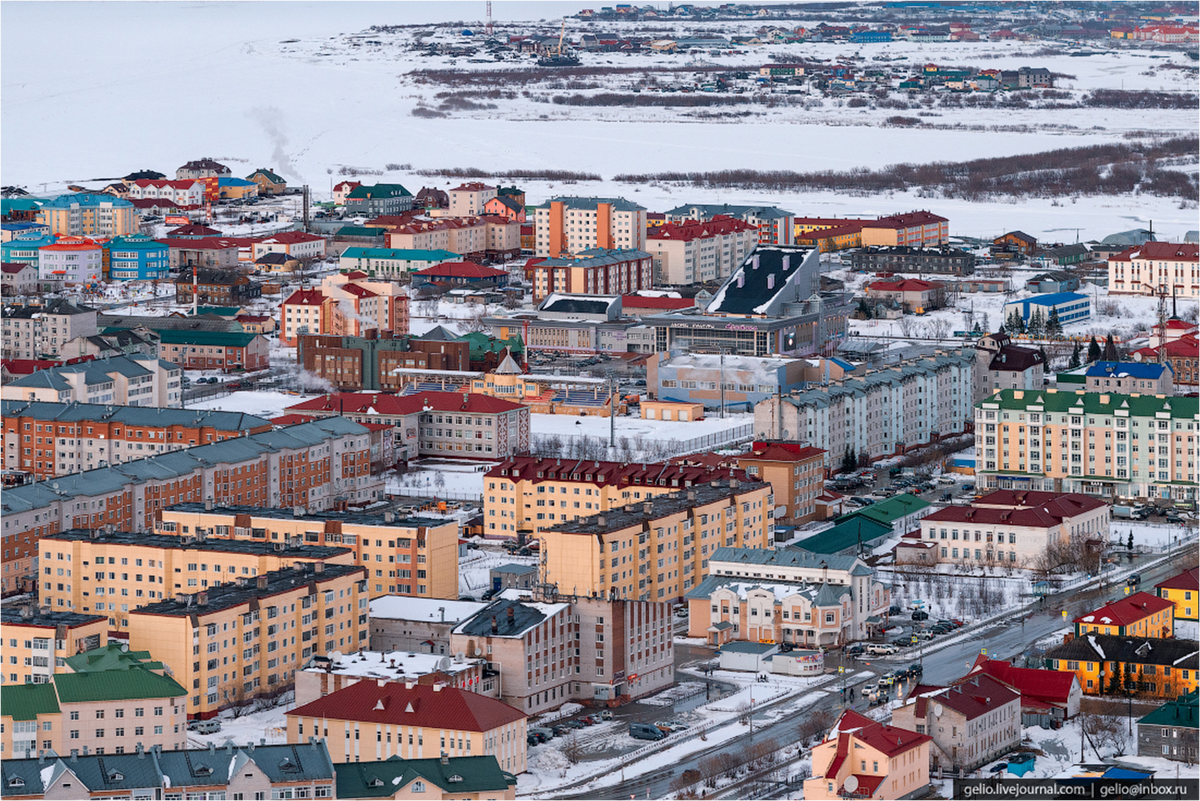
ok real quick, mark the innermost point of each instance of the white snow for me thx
(259, 402)
(1182, 658)
(46, 774)
(1096, 646)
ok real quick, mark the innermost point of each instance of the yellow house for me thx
(415, 556)
(672, 410)
(374, 720)
(1183, 590)
(864, 758)
(269, 183)
(36, 643)
(244, 640)
(1111, 665)
(1138, 615)
(141, 569)
(657, 551)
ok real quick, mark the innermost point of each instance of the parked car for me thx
(545, 734)
(881, 649)
(894, 610)
(919, 615)
(605, 715)
(644, 731)
(210, 726)
(1133, 580)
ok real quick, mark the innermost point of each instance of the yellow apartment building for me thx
(416, 556)
(36, 642)
(118, 572)
(246, 639)
(656, 550)
(1183, 590)
(528, 494)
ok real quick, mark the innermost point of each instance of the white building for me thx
(692, 252)
(566, 226)
(1157, 268)
(40, 332)
(119, 381)
(468, 200)
(19, 278)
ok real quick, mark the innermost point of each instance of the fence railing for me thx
(585, 446)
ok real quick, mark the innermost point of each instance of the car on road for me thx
(644, 731)
(916, 669)
(870, 689)
(605, 715)
(1133, 580)
(919, 615)
(881, 649)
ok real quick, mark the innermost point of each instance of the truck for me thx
(1128, 512)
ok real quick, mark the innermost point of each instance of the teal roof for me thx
(398, 254)
(27, 701)
(359, 230)
(378, 190)
(135, 242)
(1179, 407)
(846, 536)
(1182, 712)
(889, 511)
(10, 204)
(264, 172)
(458, 775)
(226, 339)
(220, 311)
(68, 201)
(115, 685)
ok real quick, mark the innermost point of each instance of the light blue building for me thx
(1072, 307)
(137, 257)
(25, 247)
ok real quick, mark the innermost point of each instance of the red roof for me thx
(774, 452)
(360, 291)
(12, 267)
(720, 225)
(252, 318)
(1125, 611)
(532, 468)
(973, 696)
(291, 238)
(152, 202)
(1160, 251)
(346, 185)
(462, 269)
(355, 275)
(385, 403)
(1187, 580)
(161, 183)
(1048, 686)
(904, 285)
(472, 187)
(194, 230)
(1046, 514)
(643, 302)
(418, 705)
(891, 740)
(28, 366)
(909, 219)
(292, 419)
(208, 243)
(305, 297)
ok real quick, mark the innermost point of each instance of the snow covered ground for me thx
(639, 439)
(447, 478)
(260, 402)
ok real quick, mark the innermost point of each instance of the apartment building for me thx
(101, 216)
(1157, 268)
(1001, 365)
(1138, 615)
(567, 226)
(473, 778)
(306, 311)
(468, 200)
(264, 771)
(215, 350)
(17, 278)
(131, 380)
(208, 254)
(40, 332)
(1129, 377)
(884, 761)
(213, 287)
(775, 226)
(526, 494)
(137, 258)
(591, 272)
(38, 640)
(392, 263)
(323, 675)
(105, 712)
(450, 424)
(296, 244)
(409, 556)
(972, 722)
(1127, 446)
(377, 720)
(1107, 664)
(245, 639)
(64, 438)
(467, 236)
(147, 568)
(316, 465)
(1013, 527)
(1182, 590)
(346, 304)
(796, 474)
(186, 193)
(403, 623)
(371, 362)
(378, 199)
(657, 550)
(557, 648)
(694, 252)
(72, 261)
(882, 413)
(941, 260)
(1182, 355)
(786, 595)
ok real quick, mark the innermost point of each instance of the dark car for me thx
(919, 615)
(915, 669)
(893, 610)
(1136, 578)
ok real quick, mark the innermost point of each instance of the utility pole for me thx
(612, 402)
(722, 382)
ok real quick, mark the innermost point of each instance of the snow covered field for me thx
(646, 440)
(260, 402)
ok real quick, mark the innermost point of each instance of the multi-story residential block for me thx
(370, 362)
(913, 228)
(323, 675)
(26, 248)
(1002, 365)
(1111, 665)
(972, 722)
(18, 278)
(215, 287)
(246, 639)
(796, 474)
(941, 260)
(1007, 527)
(884, 761)
(378, 199)
(447, 424)
(694, 252)
(40, 332)
(775, 226)
(215, 350)
(568, 226)
(1048, 697)
(37, 642)
(522, 493)
(306, 311)
(1170, 732)
(1138, 615)
(185, 193)
(786, 595)
(67, 437)
(72, 261)
(1071, 307)
(119, 380)
(469, 778)
(105, 712)
(202, 168)
(1182, 590)
(414, 624)
(1157, 268)
(137, 257)
(878, 414)
(210, 254)
(558, 648)
(591, 272)
(12, 230)
(420, 553)
(656, 549)
(1130, 377)
(390, 263)
(297, 244)
(505, 206)
(468, 200)
(101, 216)
(1128, 446)
(412, 721)
(314, 465)
(152, 567)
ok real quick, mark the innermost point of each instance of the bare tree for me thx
(475, 320)
(939, 328)
(906, 325)
(512, 300)
(572, 750)
(1106, 730)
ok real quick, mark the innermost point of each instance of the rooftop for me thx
(12, 615)
(231, 595)
(353, 518)
(1125, 611)
(1095, 403)
(430, 610)
(479, 775)
(413, 705)
(212, 544)
(617, 519)
(506, 617)
(390, 665)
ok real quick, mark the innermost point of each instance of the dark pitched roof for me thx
(1183, 654)
(467, 774)
(1015, 359)
(751, 288)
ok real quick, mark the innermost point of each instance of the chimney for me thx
(261, 582)
(602, 522)
(733, 483)
(208, 505)
(787, 262)
(202, 599)
(437, 686)
(408, 685)
(741, 280)
(495, 628)
(445, 759)
(319, 567)
(389, 516)
(771, 281)
(511, 614)
(647, 508)
(754, 261)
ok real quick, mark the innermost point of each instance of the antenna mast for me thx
(489, 28)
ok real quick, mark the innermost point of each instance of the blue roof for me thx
(68, 201)
(842, 363)
(1056, 298)
(406, 255)
(235, 182)
(1129, 369)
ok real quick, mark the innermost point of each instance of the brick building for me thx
(369, 362)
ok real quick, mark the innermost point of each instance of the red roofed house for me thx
(692, 252)
(796, 474)
(451, 424)
(1172, 330)
(640, 305)
(1048, 697)
(343, 188)
(1011, 527)
(193, 231)
(154, 205)
(208, 252)
(1181, 354)
(427, 720)
(869, 760)
(186, 193)
(914, 228)
(461, 274)
(1138, 615)
(306, 311)
(914, 295)
(299, 244)
(1157, 267)
(361, 301)
(972, 722)
(1183, 590)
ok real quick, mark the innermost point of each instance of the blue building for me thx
(1072, 307)
(870, 37)
(14, 229)
(137, 257)
(696, 378)
(24, 248)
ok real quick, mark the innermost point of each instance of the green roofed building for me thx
(447, 777)
(392, 262)
(215, 350)
(847, 537)
(1170, 732)
(113, 656)
(379, 200)
(901, 513)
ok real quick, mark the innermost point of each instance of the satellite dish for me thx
(335, 656)
(937, 710)
(851, 783)
(444, 663)
(478, 652)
